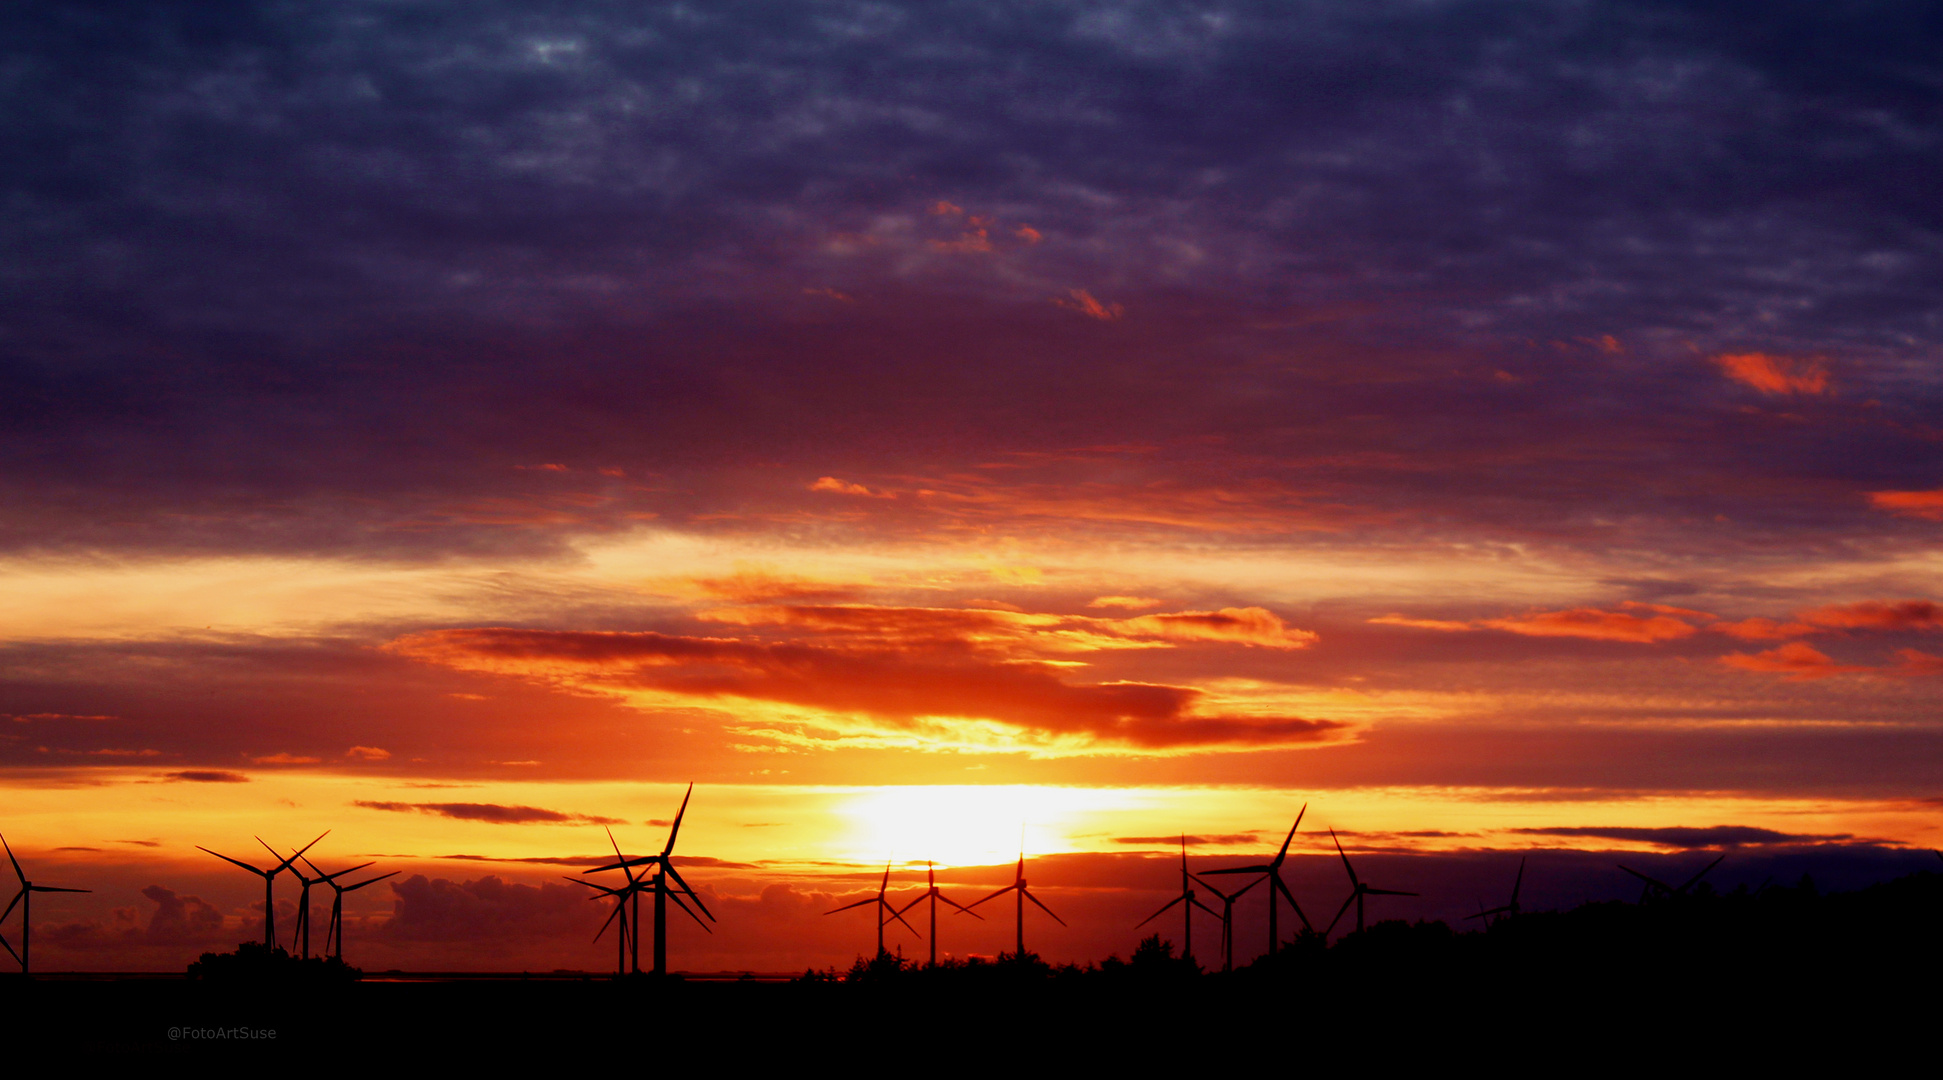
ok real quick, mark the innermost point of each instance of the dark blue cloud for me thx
(322, 278)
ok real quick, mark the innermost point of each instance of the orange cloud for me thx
(1794, 660)
(844, 487)
(1921, 504)
(1775, 374)
(988, 628)
(1421, 624)
(1239, 626)
(753, 584)
(1131, 603)
(1029, 234)
(902, 690)
(1595, 624)
(1086, 304)
(284, 759)
(1759, 629)
(367, 753)
(1915, 662)
(1879, 615)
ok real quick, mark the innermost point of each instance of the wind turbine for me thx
(269, 883)
(1187, 913)
(1671, 891)
(1357, 891)
(1228, 918)
(25, 898)
(300, 935)
(622, 937)
(1272, 869)
(662, 891)
(885, 912)
(931, 893)
(1018, 886)
(334, 929)
(1507, 910)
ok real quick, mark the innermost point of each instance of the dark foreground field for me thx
(1783, 978)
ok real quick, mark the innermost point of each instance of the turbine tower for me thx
(269, 883)
(25, 899)
(334, 930)
(1357, 890)
(1186, 898)
(932, 894)
(885, 912)
(662, 890)
(1228, 918)
(1272, 870)
(1018, 886)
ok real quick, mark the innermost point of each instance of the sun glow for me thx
(969, 825)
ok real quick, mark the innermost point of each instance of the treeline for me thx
(1757, 939)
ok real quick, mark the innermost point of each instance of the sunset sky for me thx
(1509, 429)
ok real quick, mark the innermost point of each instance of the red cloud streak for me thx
(893, 686)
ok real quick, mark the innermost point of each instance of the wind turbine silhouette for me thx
(1272, 869)
(334, 929)
(1507, 910)
(1228, 918)
(1666, 891)
(25, 898)
(1187, 913)
(1018, 886)
(622, 936)
(300, 934)
(1357, 891)
(662, 892)
(269, 883)
(932, 894)
(885, 912)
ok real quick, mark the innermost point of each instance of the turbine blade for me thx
(1205, 908)
(1655, 882)
(618, 908)
(1283, 888)
(1704, 871)
(1339, 915)
(1262, 869)
(50, 888)
(847, 907)
(915, 901)
(16, 900)
(994, 896)
(670, 870)
(961, 908)
(17, 871)
(238, 862)
(1284, 853)
(369, 881)
(1156, 914)
(1345, 855)
(15, 955)
(1042, 907)
(285, 864)
(899, 916)
(676, 897)
(1518, 883)
(676, 828)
